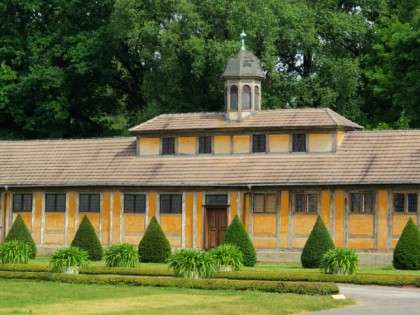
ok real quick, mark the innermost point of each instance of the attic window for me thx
(258, 143)
(204, 144)
(299, 143)
(168, 146)
(246, 97)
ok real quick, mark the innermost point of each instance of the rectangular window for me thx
(168, 146)
(258, 143)
(22, 203)
(405, 202)
(306, 203)
(264, 202)
(216, 200)
(134, 203)
(361, 202)
(55, 202)
(171, 203)
(89, 202)
(299, 143)
(204, 144)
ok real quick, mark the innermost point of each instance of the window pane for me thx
(412, 202)
(355, 203)
(258, 202)
(17, 203)
(299, 202)
(399, 202)
(234, 97)
(204, 144)
(176, 204)
(83, 203)
(271, 203)
(140, 204)
(165, 203)
(216, 199)
(27, 203)
(246, 97)
(168, 146)
(312, 203)
(299, 143)
(94, 203)
(368, 203)
(128, 203)
(50, 203)
(258, 143)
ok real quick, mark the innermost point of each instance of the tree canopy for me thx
(94, 68)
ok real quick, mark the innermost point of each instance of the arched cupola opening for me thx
(246, 97)
(234, 98)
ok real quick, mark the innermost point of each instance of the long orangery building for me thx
(276, 169)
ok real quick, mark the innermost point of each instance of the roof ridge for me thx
(68, 139)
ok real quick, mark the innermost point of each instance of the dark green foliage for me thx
(237, 235)
(87, 240)
(154, 246)
(407, 251)
(318, 243)
(19, 231)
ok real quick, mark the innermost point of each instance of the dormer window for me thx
(168, 146)
(246, 97)
(233, 97)
(256, 98)
(204, 144)
(258, 143)
(299, 143)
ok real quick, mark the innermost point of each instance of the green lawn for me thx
(23, 297)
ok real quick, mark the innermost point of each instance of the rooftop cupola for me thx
(243, 75)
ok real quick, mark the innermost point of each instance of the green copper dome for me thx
(243, 64)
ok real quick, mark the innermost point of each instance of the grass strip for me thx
(307, 288)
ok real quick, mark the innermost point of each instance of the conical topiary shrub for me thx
(237, 235)
(19, 231)
(407, 251)
(318, 243)
(154, 246)
(87, 240)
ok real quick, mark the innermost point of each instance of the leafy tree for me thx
(237, 235)
(318, 243)
(407, 251)
(87, 240)
(154, 246)
(19, 231)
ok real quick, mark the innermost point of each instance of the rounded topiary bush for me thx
(318, 243)
(19, 232)
(154, 246)
(407, 251)
(87, 240)
(237, 235)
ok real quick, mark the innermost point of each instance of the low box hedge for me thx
(205, 284)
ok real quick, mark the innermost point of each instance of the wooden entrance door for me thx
(216, 224)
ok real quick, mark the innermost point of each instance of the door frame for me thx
(206, 224)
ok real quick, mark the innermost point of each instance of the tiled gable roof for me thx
(389, 157)
(279, 119)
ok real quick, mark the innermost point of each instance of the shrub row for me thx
(205, 284)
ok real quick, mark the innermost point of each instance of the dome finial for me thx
(243, 35)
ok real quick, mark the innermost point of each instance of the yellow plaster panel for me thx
(149, 146)
(152, 205)
(399, 220)
(116, 218)
(38, 214)
(93, 218)
(325, 208)
(54, 239)
(233, 205)
(284, 219)
(382, 219)
(241, 144)
(263, 243)
(221, 144)
(339, 218)
(245, 218)
(299, 242)
(265, 224)
(200, 222)
(187, 145)
(394, 243)
(188, 218)
(278, 143)
(175, 241)
(320, 142)
(133, 223)
(106, 217)
(360, 243)
(303, 223)
(171, 223)
(71, 216)
(132, 239)
(340, 136)
(361, 225)
(54, 222)
(27, 218)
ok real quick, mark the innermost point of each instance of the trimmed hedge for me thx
(204, 284)
(407, 251)
(19, 231)
(379, 279)
(87, 240)
(318, 243)
(154, 246)
(237, 235)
